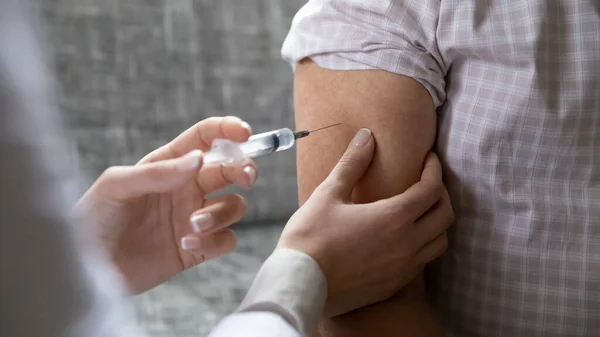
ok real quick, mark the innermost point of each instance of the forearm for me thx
(401, 115)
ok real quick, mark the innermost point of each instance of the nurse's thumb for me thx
(353, 164)
(125, 182)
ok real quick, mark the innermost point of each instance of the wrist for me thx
(312, 247)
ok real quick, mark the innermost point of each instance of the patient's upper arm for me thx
(388, 74)
(397, 109)
(401, 115)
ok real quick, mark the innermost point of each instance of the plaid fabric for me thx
(517, 86)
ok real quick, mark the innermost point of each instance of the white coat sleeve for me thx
(254, 324)
(286, 299)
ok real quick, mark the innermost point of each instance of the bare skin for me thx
(401, 115)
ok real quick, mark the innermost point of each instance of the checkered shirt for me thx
(517, 90)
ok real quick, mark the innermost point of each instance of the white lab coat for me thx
(254, 324)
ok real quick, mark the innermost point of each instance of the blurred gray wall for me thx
(133, 74)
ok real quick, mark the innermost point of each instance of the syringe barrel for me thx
(226, 152)
(268, 142)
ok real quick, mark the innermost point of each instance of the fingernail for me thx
(202, 222)
(362, 137)
(247, 127)
(190, 161)
(190, 243)
(251, 174)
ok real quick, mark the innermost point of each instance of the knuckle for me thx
(438, 188)
(111, 171)
(196, 259)
(110, 175)
(321, 206)
(236, 202)
(448, 212)
(322, 190)
(443, 243)
(349, 159)
(242, 205)
(233, 199)
(227, 174)
(387, 216)
(212, 119)
(402, 207)
(231, 118)
(450, 216)
(326, 189)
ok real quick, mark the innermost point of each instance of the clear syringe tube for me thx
(227, 152)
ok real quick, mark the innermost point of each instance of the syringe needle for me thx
(325, 127)
(304, 133)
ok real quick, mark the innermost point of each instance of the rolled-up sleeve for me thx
(393, 35)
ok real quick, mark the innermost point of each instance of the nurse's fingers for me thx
(212, 178)
(198, 248)
(126, 182)
(218, 213)
(423, 195)
(433, 250)
(436, 221)
(352, 166)
(201, 135)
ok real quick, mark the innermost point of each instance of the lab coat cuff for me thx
(291, 284)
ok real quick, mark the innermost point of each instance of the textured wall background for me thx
(135, 73)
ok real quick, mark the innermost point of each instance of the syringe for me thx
(227, 152)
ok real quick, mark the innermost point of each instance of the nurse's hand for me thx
(368, 252)
(154, 218)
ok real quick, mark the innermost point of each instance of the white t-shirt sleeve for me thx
(399, 36)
